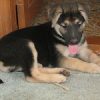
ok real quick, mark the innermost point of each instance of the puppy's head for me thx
(69, 21)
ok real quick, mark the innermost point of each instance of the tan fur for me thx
(34, 52)
(89, 56)
(51, 70)
(31, 79)
(3, 68)
(90, 64)
(40, 74)
(45, 77)
(83, 12)
(63, 71)
(63, 50)
(7, 68)
(79, 65)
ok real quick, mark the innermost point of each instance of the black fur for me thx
(14, 50)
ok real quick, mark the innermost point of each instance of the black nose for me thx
(73, 41)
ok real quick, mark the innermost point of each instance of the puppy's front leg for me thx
(79, 65)
(89, 56)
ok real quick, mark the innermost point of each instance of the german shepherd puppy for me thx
(55, 44)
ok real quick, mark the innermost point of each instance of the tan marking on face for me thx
(77, 21)
(69, 22)
(66, 22)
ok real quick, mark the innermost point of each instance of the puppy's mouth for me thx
(73, 49)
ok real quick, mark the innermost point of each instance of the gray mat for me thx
(81, 86)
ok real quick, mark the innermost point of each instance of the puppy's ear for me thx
(53, 10)
(84, 10)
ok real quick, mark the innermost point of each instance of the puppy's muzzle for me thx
(74, 41)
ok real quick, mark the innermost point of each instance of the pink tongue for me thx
(73, 49)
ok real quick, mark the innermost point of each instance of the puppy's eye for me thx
(79, 23)
(63, 25)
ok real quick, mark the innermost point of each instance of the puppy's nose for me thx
(73, 41)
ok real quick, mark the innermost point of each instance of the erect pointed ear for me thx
(84, 10)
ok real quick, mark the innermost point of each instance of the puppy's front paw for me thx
(60, 79)
(94, 68)
(65, 72)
